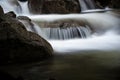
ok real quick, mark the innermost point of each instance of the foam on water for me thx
(107, 42)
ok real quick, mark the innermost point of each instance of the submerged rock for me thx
(19, 45)
(53, 6)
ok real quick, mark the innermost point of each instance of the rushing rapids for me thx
(97, 24)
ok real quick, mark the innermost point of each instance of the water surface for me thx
(84, 65)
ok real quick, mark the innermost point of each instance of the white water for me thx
(105, 23)
(106, 38)
(33, 27)
(107, 42)
(10, 5)
(67, 33)
(24, 6)
(86, 4)
(98, 21)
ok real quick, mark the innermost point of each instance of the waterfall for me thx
(106, 36)
(103, 36)
(10, 5)
(87, 4)
(20, 8)
(67, 33)
(24, 6)
(33, 27)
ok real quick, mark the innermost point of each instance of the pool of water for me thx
(83, 65)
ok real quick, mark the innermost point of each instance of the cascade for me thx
(10, 5)
(67, 33)
(24, 7)
(105, 26)
(87, 4)
(33, 27)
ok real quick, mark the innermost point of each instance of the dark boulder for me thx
(11, 14)
(108, 3)
(24, 18)
(54, 6)
(19, 45)
(1, 11)
(102, 3)
(115, 4)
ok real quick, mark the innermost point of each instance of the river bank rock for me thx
(53, 6)
(19, 45)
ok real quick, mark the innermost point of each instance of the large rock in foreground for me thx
(54, 6)
(19, 45)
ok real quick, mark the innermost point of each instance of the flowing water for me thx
(24, 7)
(79, 53)
(87, 4)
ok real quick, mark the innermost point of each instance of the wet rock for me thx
(53, 6)
(28, 23)
(11, 14)
(19, 45)
(24, 18)
(63, 23)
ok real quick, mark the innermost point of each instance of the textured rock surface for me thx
(54, 6)
(19, 45)
(11, 14)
